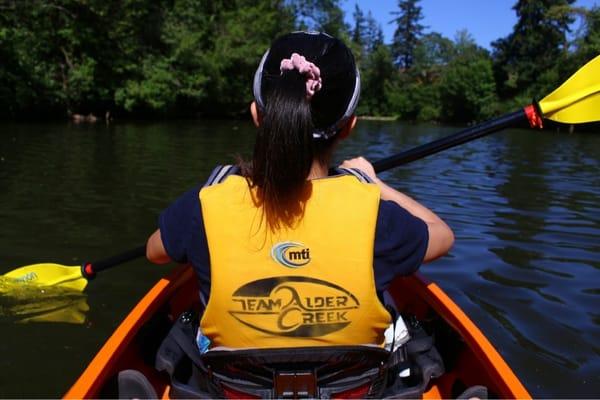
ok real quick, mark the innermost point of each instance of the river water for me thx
(524, 205)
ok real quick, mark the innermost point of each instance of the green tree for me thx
(195, 71)
(359, 30)
(197, 57)
(321, 15)
(587, 44)
(366, 35)
(525, 59)
(248, 29)
(432, 54)
(14, 91)
(146, 57)
(373, 33)
(408, 32)
(420, 84)
(378, 83)
(71, 55)
(467, 86)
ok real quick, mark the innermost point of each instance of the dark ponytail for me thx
(294, 131)
(283, 151)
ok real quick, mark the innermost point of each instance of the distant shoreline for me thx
(377, 118)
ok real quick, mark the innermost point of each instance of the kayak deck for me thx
(469, 357)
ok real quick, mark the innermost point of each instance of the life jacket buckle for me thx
(187, 317)
(295, 385)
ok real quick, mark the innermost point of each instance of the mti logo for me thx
(291, 254)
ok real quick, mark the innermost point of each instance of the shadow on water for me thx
(524, 206)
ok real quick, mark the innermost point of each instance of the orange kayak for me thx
(470, 359)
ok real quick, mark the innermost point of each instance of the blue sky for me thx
(486, 20)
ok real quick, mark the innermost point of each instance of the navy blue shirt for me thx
(400, 239)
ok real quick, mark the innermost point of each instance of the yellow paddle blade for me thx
(44, 275)
(578, 99)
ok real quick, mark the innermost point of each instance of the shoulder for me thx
(395, 221)
(400, 243)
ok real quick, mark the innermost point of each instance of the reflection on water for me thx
(524, 205)
(32, 303)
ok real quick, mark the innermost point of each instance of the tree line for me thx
(189, 58)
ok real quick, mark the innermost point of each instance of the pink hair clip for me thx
(310, 70)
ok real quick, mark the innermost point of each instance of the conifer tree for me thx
(407, 33)
(588, 42)
(358, 32)
(524, 58)
(321, 15)
(373, 34)
(367, 32)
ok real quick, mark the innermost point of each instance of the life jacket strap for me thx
(360, 175)
(220, 173)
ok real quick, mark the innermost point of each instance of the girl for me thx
(286, 253)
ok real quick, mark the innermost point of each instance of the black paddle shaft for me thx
(89, 270)
(475, 132)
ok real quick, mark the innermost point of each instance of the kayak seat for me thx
(317, 372)
(132, 384)
(474, 392)
(307, 372)
(323, 372)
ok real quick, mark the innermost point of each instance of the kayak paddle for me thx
(576, 101)
(68, 277)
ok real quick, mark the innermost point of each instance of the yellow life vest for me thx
(312, 285)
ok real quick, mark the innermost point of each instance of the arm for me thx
(179, 225)
(155, 249)
(441, 236)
